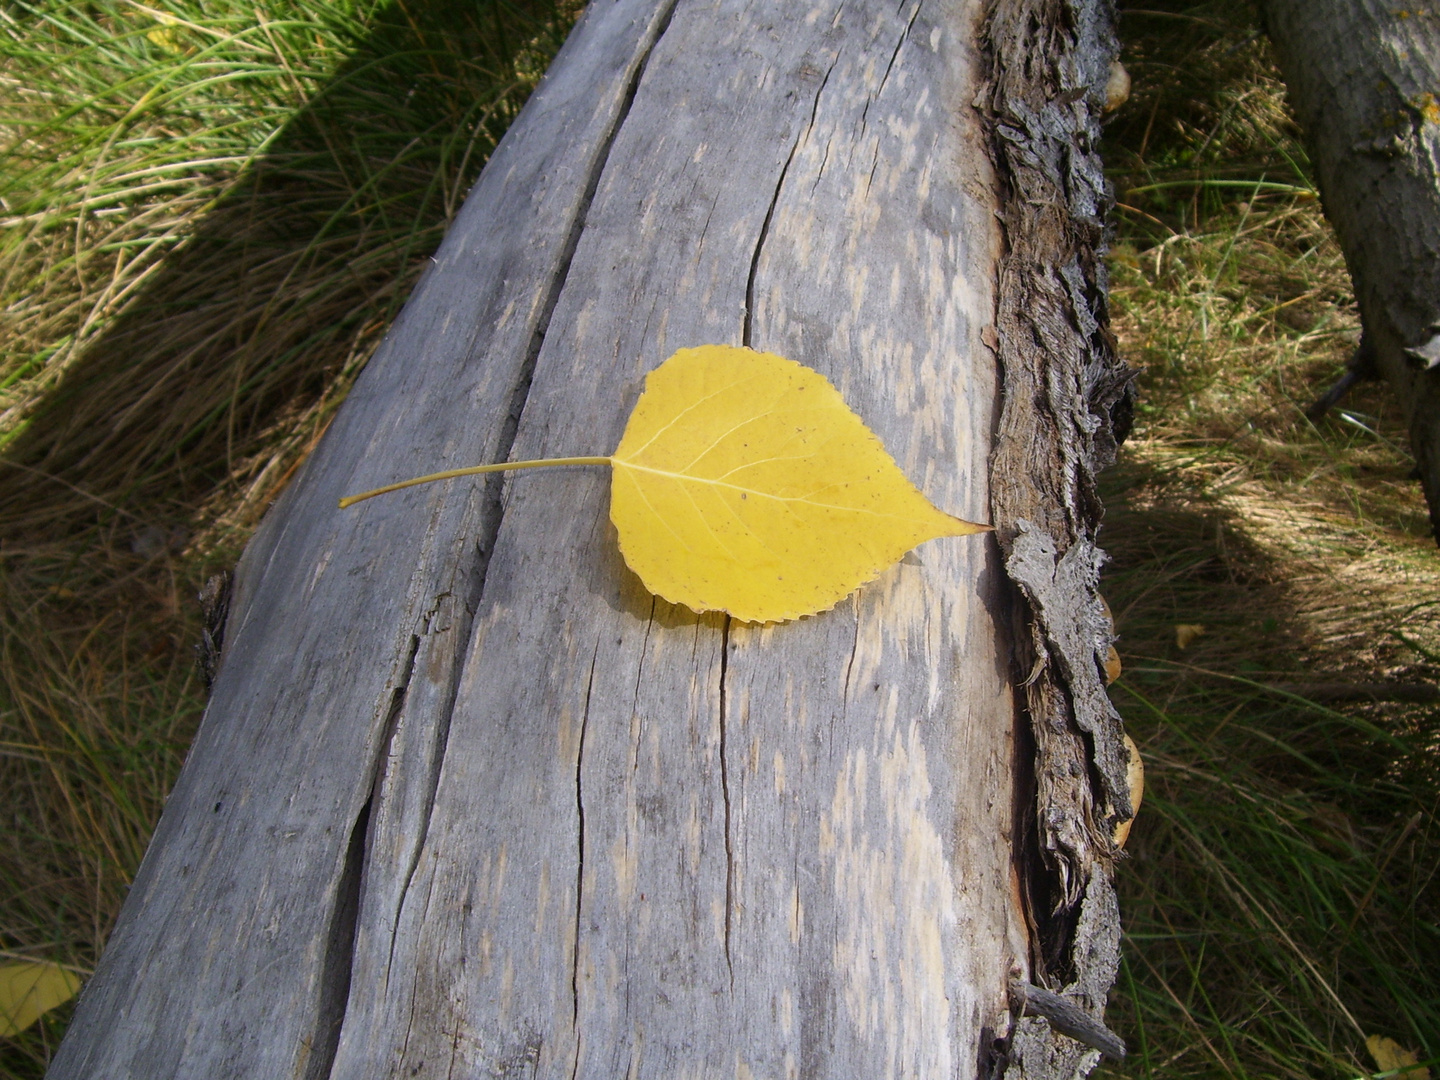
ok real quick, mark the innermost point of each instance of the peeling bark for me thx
(1067, 398)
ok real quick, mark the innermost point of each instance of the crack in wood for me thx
(492, 510)
(580, 853)
(904, 37)
(572, 242)
(725, 796)
(492, 513)
(334, 979)
(850, 663)
(441, 736)
(748, 321)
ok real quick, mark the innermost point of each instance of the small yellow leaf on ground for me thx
(29, 988)
(1186, 633)
(1389, 1056)
(167, 38)
(744, 483)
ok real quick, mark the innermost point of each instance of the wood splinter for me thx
(1066, 1016)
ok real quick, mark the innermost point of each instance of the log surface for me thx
(467, 801)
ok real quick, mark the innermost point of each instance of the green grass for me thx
(212, 212)
(213, 217)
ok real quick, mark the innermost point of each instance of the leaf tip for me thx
(969, 528)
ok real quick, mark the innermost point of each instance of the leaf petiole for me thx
(450, 474)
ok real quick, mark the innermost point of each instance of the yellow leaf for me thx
(743, 483)
(29, 988)
(1186, 633)
(167, 38)
(1390, 1056)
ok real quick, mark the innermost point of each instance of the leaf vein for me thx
(683, 478)
(688, 410)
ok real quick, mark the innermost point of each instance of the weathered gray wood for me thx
(228, 954)
(1363, 78)
(467, 801)
(730, 850)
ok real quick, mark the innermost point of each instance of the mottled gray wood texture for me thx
(467, 801)
(1363, 77)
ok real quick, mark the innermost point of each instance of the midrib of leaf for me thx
(806, 499)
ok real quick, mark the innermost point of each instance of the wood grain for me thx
(232, 948)
(467, 801)
(728, 849)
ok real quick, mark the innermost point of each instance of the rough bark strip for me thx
(1064, 391)
(1363, 77)
(1037, 1051)
(1062, 380)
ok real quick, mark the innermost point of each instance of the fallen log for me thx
(468, 801)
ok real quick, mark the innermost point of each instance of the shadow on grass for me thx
(282, 290)
(1279, 900)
